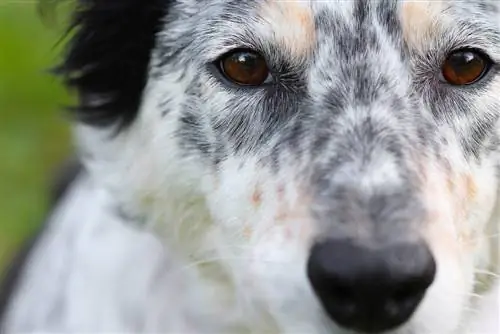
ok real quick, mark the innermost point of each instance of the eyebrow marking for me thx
(421, 22)
(291, 23)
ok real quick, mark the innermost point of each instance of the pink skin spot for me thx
(281, 192)
(257, 197)
(247, 232)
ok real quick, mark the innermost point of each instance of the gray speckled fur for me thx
(358, 135)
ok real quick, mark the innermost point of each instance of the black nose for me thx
(370, 290)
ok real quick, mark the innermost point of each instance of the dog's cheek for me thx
(274, 277)
(440, 231)
(482, 214)
(453, 193)
(265, 230)
(247, 198)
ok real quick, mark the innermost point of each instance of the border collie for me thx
(265, 166)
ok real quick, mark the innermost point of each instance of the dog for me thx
(265, 166)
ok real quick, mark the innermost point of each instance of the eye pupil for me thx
(245, 68)
(465, 67)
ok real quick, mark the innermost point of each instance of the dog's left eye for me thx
(465, 67)
(245, 67)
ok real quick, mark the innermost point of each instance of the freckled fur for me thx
(291, 25)
(421, 21)
(225, 190)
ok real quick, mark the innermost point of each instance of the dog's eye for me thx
(465, 67)
(245, 67)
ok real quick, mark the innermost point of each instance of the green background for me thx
(34, 136)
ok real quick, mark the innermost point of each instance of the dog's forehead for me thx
(297, 28)
(295, 23)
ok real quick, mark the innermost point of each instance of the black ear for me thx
(107, 58)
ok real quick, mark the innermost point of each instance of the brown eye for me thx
(245, 68)
(464, 67)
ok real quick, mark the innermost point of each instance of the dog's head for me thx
(336, 160)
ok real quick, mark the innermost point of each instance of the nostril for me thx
(404, 300)
(340, 302)
(402, 296)
(408, 288)
(342, 294)
(344, 298)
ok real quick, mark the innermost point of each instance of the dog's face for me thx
(337, 160)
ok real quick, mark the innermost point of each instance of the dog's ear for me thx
(107, 57)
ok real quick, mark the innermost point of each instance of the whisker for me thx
(215, 259)
(465, 294)
(482, 237)
(486, 272)
(473, 295)
(471, 310)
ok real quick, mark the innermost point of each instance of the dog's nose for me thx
(370, 290)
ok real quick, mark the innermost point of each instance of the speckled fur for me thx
(198, 217)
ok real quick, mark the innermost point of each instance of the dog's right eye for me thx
(465, 67)
(245, 67)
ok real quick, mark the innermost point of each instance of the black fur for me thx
(108, 56)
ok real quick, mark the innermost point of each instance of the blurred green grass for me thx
(34, 135)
